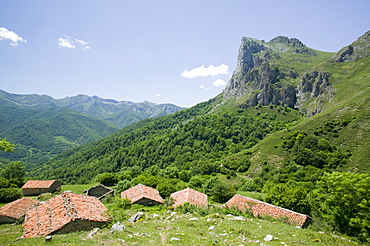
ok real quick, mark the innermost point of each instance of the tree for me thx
(146, 179)
(294, 198)
(14, 170)
(167, 186)
(6, 146)
(123, 185)
(10, 194)
(342, 201)
(107, 179)
(222, 192)
(218, 190)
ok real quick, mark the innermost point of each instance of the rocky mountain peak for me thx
(294, 42)
(355, 51)
(248, 47)
(262, 75)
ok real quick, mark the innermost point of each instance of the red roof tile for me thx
(17, 209)
(54, 214)
(189, 195)
(38, 184)
(140, 191)
(262, 208)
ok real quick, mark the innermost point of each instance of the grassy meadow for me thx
(181, 226)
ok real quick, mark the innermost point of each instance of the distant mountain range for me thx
(42, 126)
(119, 113)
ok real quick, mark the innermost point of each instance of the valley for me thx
(292, 123)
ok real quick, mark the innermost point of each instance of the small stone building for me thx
(64, 213)
(14, 211)
(37, 187)
(100, 191)
(262, 208)
(191, 196)
(142, 194)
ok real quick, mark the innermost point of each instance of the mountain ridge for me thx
(259, 88)
(33, 122)
(106, 109)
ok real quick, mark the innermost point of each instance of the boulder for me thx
(136, 217)
(117, 227)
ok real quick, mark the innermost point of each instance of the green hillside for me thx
(45, 132)
(292, 122)
(343, 121)
(42, 126)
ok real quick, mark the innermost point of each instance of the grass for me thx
(176, 228)
(159, 226)
(350, 102)
(77, 188)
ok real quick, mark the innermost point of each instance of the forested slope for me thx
(44, 132)
(292, 122)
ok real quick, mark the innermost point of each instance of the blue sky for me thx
(182, 52)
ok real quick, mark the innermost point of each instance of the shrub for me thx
(123, 185)
(108, 179)
(10, 194)
(4, 183)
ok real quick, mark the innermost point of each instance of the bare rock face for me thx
(314, 84)
(357, 50)
(262, 77)
(259, 80)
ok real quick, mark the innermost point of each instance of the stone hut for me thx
(14, 211)
(142, 194)
(64, 213)
(100, 191)
(37, 187)
(190, 195)
(257, 208)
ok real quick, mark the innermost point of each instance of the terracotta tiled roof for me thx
(57, 212)
(189, 195)
(262, 208)
(17, 209)
(38, 184)
(140, 191)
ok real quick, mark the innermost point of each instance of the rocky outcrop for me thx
(316, 85)
(259, 79)
(357, 50)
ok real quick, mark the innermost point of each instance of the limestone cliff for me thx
(275, 72)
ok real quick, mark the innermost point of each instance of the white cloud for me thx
(219, 82)
(205, 71)
(12, 36)
(205, 88)
(66, 42)
(157, 95)
(81, 42)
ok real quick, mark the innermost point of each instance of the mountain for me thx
(280, 93)
(42, 132)
(42, 126)
(334, 98)
(279, 72)
(120, 113)
(292, 122)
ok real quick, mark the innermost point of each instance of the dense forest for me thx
(197, 144)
